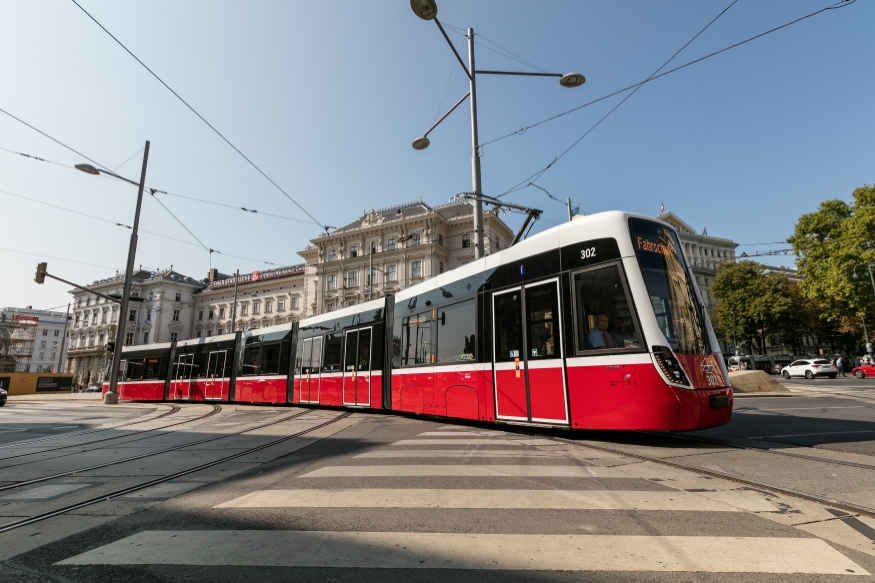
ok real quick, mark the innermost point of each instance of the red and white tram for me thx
(594, 324)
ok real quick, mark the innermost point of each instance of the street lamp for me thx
(111, 396)
(427, 10)
(871, 279)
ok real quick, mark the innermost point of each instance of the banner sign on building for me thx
(19, 318)
(259, 276)
(54, 384)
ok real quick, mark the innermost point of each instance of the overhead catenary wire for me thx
(44, 256)
(839, 4)
(192, 198)
(202, 118)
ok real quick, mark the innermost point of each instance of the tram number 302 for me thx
(587, 253)
(712, 380)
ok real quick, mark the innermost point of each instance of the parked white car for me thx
(810, 369)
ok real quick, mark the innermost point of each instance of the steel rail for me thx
(173, 410)
(167, 478)
(216, 409)
(145, 455)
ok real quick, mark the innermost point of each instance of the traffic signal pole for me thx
(111, 396)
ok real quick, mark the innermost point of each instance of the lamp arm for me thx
(518, 73)
(437, 123)
(455, 52)
(114, 175)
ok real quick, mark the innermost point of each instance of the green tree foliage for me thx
(753, 305)
(828, 243)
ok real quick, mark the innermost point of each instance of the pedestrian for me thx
(840, 365)
(858, 361)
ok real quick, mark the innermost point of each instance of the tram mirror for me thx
(443, 318)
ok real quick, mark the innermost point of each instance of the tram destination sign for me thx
(256, 276)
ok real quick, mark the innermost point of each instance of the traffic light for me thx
(110, 348)
(41, 272)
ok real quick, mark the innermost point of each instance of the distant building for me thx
(387, 250)
(704, 254)
(31, 340)
(264, 298)
(164, 315)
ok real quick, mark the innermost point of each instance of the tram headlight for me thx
(670, 365)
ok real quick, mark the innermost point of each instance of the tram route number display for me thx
(589, 252)
(44, 384)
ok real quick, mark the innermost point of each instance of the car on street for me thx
(810, 368)
(92, 389)
(778, 368)
(3, 394)
(866, 370)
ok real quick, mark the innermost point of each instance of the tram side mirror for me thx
(443, 318)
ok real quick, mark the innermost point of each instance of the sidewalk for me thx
(57, 397)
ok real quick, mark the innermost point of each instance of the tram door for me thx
(215, 374)
(529, 367)
(182, 382)
(357, 367)
(311, 364)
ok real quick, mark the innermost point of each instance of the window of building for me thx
(209, 332)
(129, 339)
(100, 339)
(132, 316)
(268, 306)
(211, 314)
(440, 266)
(295, 302)
(391, 273)
(178, 297)
(353, 250)
(352, 302)
(200, 315)
(42, 355)
(440, 240)
(45, 332)
(54, 355)
(256, 308)
(466, 241)
(54, 343)
(332, 282)
(352, 279)
(56, 332)
(332, 255)
(145, 338)
(174, 336)
(221, 312)
(372, 276)
(87, 301)
(280, 304)
(391, 244)
(372, 247)
(331, 307)
(603, 316)
(416, 269)
(198, 334)
(148, 314)
(414, 240)
(42, 344)
(176, 315)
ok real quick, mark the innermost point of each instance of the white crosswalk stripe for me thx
(483, 464)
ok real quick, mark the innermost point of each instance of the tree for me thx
(752, 304)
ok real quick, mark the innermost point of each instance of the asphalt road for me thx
(391, 497)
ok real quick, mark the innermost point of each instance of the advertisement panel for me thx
(54, 384)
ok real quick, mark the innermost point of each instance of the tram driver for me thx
(599, 337)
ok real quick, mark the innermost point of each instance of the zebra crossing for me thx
(461, 498)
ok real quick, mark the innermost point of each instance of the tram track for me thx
(174, 409)
(168, 477)
(149, 454)
(216, 409)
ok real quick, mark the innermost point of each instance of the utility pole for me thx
(371, 273)
(63, 341)
(568, 203)
(475, 154)
(234, 305)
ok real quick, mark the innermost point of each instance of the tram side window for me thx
(270, 358)
(199, 365)
(417, 340)
(604, 313)
(154, 368)
(456, 327)
(134, 370)
(333, 350)
(251, 356)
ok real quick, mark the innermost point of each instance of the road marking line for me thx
(452, 441)
(806, 434)
(447, 498)
(417, 550)
(43, 492)
(450, 433)
(468, 470)
(804, 408)
(456, 453)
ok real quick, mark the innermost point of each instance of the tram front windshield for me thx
(669, 288)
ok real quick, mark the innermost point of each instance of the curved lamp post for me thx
(427, 10)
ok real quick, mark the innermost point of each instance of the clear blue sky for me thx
(326, 97)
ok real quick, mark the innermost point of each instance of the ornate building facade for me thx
(264, 298)
(389, 249)
(165, 314)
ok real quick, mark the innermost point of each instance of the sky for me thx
(327, 97)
